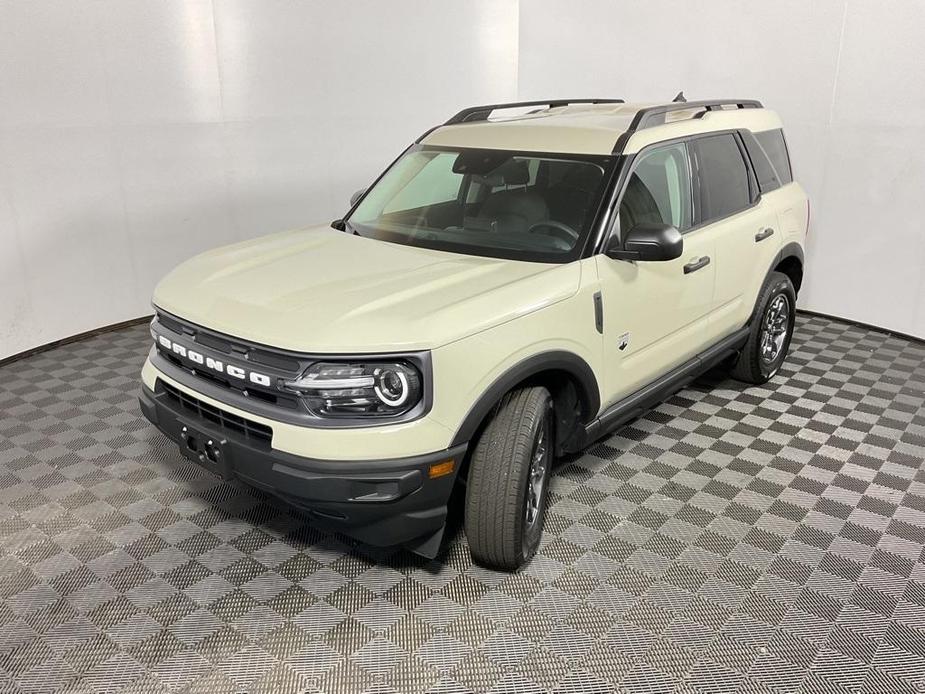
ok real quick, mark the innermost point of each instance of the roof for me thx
(581, 127)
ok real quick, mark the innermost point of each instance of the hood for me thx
(322, 290)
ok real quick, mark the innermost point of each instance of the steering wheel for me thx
(557, 229)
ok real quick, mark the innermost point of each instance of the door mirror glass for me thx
(647, 242)
(355, 198)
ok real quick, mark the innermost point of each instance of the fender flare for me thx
(790, 250)
(569, 362)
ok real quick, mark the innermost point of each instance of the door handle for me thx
(695, 265)
(763, 234)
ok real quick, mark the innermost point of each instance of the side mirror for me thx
(355, 198)
(647, 242)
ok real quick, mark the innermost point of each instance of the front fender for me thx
(577, 368)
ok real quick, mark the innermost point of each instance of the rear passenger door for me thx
(742, 225)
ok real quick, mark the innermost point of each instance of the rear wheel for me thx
(770, 333)
(508, 480)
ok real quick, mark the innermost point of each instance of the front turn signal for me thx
(441, 469)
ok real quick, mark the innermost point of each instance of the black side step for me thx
(657, 391)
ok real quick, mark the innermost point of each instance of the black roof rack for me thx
(658, 115)
(480, 113)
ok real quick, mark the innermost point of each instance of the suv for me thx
(509, 290)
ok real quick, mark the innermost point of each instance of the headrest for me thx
(583, 176)
(495, 168)
(514, 172)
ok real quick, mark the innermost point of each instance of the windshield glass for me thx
(504, 204)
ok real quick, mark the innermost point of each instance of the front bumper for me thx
(379, 502)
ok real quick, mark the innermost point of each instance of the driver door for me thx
(655, 313)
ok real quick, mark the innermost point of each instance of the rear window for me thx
(722, 177)
(772, 142)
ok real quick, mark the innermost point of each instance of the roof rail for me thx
(480, 113)
(658, 115)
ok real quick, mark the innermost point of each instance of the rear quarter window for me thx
(774, 145)
(765, 171)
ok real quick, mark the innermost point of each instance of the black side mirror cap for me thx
(355, 198)
(647, 242)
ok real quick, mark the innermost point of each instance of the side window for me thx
(722, 177)
(768, 179)
(659, 190)
(433, 184)
(772, 141)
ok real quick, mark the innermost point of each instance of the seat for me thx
(513, 210)
(638, 206)
(570, 199)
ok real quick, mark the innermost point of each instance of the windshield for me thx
(504, 204)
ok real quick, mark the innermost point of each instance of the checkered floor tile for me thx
(735, 539)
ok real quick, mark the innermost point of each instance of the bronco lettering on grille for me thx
(213, 364)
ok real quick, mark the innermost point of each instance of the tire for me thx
(501, 533)
(770, 333)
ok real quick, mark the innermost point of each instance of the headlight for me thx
(375, 389)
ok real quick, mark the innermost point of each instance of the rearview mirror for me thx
(355, 198)
(647, 242)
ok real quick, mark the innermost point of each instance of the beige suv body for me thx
(509, 289)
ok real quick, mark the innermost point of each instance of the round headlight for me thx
(391, 386)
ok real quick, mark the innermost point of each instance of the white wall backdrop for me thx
(134, 134)
(847, 76)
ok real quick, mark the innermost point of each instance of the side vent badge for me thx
(623, 341)
(599, 312)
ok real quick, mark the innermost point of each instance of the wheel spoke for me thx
(536, 477)
(775, 326)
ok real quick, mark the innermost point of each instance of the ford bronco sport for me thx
(509, 289)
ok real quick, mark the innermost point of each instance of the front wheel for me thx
(508, 480)
(770, 333)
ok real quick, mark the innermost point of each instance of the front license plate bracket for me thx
(211, 452)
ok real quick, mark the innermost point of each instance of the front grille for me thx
(232, 347)
(276, 366)
(290, 402)
(226, 421)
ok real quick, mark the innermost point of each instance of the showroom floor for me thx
(735, 539)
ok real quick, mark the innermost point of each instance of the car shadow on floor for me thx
(307, 534)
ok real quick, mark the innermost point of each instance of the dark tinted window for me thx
(768, 179)
(722, 177)
(659, 190)
(772, 141)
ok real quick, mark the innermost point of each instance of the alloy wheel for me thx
(536, 480)
(774, 329)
